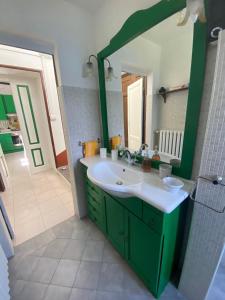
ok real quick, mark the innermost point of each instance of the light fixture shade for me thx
(110, 74)
(195, 10)
(89, 69)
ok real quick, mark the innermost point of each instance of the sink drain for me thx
(119, 182)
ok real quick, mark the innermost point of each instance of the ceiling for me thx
(91, 5)
(168, 30)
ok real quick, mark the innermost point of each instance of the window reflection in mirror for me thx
(147, 98)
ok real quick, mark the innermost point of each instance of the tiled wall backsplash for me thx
(83, 124)
(115, 113)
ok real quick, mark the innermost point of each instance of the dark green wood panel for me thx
(9, 104)
(3, 115)
(137, 24)
(36, 140)
(133, 204)
(144, 253)
(171, 222)
(115, 224)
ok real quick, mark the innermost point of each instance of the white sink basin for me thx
(116, 179)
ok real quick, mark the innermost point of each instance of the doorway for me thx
(37, 192)
(134, 89)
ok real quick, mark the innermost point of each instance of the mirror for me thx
(147, 95)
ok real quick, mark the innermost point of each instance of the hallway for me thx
(37, 202)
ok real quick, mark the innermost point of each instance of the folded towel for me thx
(90, 148)
(116, 141)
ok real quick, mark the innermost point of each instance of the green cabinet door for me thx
(144, 252)
(9, 104)
(3, 115)
(6, 142)
(116, 223)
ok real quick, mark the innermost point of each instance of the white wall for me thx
(175, 71)
(68, 28)
(5, 89)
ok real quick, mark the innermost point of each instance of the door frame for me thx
(45, 98)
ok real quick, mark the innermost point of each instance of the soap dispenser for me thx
(146, 163)
(156, 154)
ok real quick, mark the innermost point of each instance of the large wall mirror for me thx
(150, 97)
(147, 96)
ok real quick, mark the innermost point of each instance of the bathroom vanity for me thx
(151, 76)
(145, 236)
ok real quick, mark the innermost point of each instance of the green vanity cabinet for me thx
(96, 205)
(116, 230)
(3, 115)
(144, 236)
(9, 104)
(144, 251)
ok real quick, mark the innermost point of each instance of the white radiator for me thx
(4, 276)
(171, 142)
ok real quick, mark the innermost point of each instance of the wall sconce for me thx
(110, 72)
(195, 10)
(89, 68)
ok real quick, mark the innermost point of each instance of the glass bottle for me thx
(156, 155)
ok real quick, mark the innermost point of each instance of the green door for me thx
(115, 223)
(144, 252)
(3, 115)
(9, 104)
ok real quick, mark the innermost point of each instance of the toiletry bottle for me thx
(146, 163)
(156, 154)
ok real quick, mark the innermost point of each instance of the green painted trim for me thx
(34, 161)
(137, 24)
(32, 114)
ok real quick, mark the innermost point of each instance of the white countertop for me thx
(151, 190)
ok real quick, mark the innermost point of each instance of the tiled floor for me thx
(35, 203)
(217, 291)
(74, 261)
(64, 171)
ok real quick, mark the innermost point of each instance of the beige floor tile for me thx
(55, 217)
(32, 201)
(50, 205)
(29, 229)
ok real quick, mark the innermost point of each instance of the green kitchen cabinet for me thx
(116, 224)
(146, 237)
(9, 104)
(3, 115)
(6, 142)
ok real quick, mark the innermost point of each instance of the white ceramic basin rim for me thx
(114, 178)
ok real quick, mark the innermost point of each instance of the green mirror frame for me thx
(137, 24)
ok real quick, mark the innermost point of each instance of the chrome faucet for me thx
(127, 156)
(143, 146)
